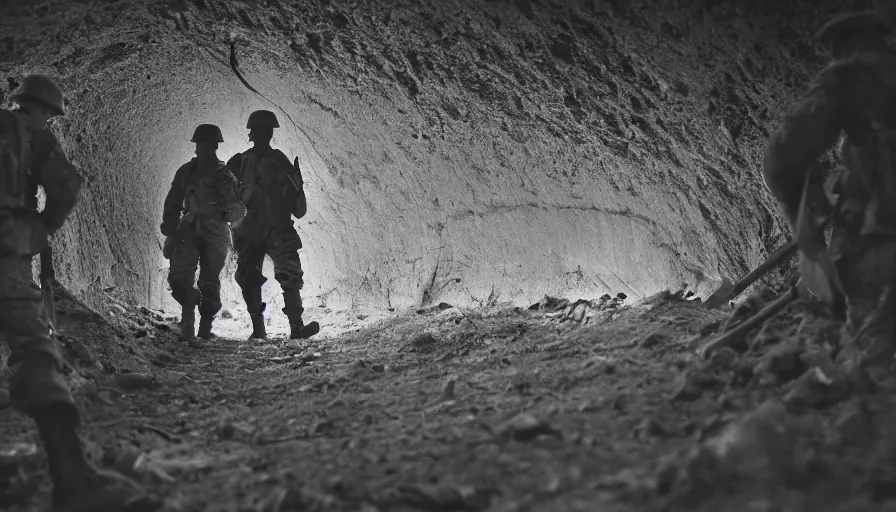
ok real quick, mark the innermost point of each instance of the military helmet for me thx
(852, 24)
(264, 118)
(42, 89)
(207, 133)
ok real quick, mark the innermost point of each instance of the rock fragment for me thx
(134, 381)
(653, 339)
(525, 427)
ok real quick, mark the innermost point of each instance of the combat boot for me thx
(77, 486)
(187, 324)
(298, 329)
(293, 309)
(258, 328)
(205, 327)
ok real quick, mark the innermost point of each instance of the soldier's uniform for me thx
(24, 233)
(199, 209)
(270, 197)
(854, 97)
(30, 156)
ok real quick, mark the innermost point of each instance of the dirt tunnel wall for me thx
(482, 151)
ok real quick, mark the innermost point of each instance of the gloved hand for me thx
(169, 226)
(234, 213)
(168, 247)
(817, 269)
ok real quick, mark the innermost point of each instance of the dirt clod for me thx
(134, 381)
(653, 339)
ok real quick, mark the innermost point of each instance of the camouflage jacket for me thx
(26, 232)
(202, 197)
(854, 98)
(266, 191)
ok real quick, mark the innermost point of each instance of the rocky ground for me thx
(561, 406)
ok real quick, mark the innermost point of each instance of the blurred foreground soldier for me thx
(200, 208)
(854, 97)
(30, 156)
(271, 189)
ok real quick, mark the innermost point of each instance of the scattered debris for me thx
(446, 497)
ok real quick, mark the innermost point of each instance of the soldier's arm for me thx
(59, 178)
(174, 202)
(234, 165)
(232, 209)
(809, 129)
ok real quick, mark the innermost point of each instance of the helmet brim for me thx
(53, 108)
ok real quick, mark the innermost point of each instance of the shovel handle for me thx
(733, 336)
(782, 253)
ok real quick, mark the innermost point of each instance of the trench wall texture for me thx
(467, 152)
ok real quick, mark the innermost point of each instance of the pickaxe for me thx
(818, 274)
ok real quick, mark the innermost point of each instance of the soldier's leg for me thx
(35, 361)
(249, 276)
(182, 278)
(212, 257)
(288, 272)
(37, 388)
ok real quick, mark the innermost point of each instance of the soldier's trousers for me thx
(287, 271)
(35, 362)
(208, 254)
(867, 269)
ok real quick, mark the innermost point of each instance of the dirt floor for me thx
(583, 406)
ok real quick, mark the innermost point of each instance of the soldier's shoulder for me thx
(845, 72)
(234, 159)
(280, 157)
(840, 71)
(43, 140)
(185, 167)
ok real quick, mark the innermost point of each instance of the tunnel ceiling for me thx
(468, 151)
